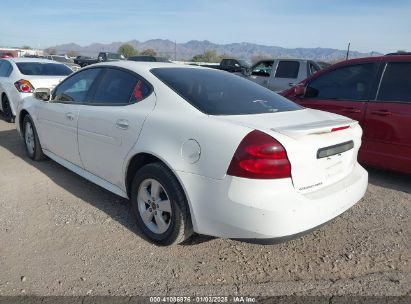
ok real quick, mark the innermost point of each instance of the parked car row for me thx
(231, 65)
(244, 162)
(83, 61)
(197, 149)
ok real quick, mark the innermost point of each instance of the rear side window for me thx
(219, 93)
(396, 82)
(287, 69)
(75, 89)
(46, 69)
(5, 68)
(346, 83)
(120, 87)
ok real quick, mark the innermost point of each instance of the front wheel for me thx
(160, 206)
(31, 139)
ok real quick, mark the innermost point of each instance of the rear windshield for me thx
(46, 69)
(220, 93)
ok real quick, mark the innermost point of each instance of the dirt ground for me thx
(62, 235)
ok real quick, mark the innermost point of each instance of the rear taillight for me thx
(24, 86)
(260, 156)
(339, 128)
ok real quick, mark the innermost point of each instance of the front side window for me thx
(313, 68)
(120, 87)
(346, 83)
(396, 82)
(43, 69)
(76, 88)
(263, 69)
(219, 93)
(287, 69)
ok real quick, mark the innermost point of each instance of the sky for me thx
(370, 25)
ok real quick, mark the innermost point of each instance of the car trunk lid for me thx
(49, 82)
(321, 147)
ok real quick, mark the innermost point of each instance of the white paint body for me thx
(7, 83)
(198, 148)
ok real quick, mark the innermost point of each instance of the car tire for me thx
(31, 140)
(160, 205)
(8, 114)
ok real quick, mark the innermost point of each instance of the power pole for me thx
(348, 50)
(175, 50)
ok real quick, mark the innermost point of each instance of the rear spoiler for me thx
(316, 128)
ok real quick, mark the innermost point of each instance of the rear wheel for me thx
(8, 114)
(160, 206)
(31, 139)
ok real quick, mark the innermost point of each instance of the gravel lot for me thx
(62, 235)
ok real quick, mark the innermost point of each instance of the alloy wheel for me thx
(29, 138)
(154, 206)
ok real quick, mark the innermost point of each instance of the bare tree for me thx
(72, 53)
(50, 51)
(149, 52)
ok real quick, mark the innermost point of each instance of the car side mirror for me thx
(299, 90)
(43, 94)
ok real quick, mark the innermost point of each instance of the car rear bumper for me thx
(266, 209)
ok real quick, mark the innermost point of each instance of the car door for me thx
(261, 71)
(109, 126)
(285, 75)
(57, 120)
(387, 140)
(344, 90)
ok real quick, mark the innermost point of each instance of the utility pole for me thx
(175, 50)
(348, 50)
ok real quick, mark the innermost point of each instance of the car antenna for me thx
(348, 50)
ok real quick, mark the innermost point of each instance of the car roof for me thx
(396, 57)
(40, 60)
(144, 65)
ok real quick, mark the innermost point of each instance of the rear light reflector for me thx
(339, 128)
(24, 86)
(260, 156)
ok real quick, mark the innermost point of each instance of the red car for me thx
(6, 55)
(376, 91)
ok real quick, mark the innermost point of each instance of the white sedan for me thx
(20, 76)
(198, 150)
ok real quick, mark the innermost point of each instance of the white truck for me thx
(281, 74)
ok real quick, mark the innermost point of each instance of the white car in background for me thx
(66, 61)
(20, 76)
(197, 149)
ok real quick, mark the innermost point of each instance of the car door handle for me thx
(351, 110)
(122, 124)
(291, 84)
(381, 112)
(70, 116)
